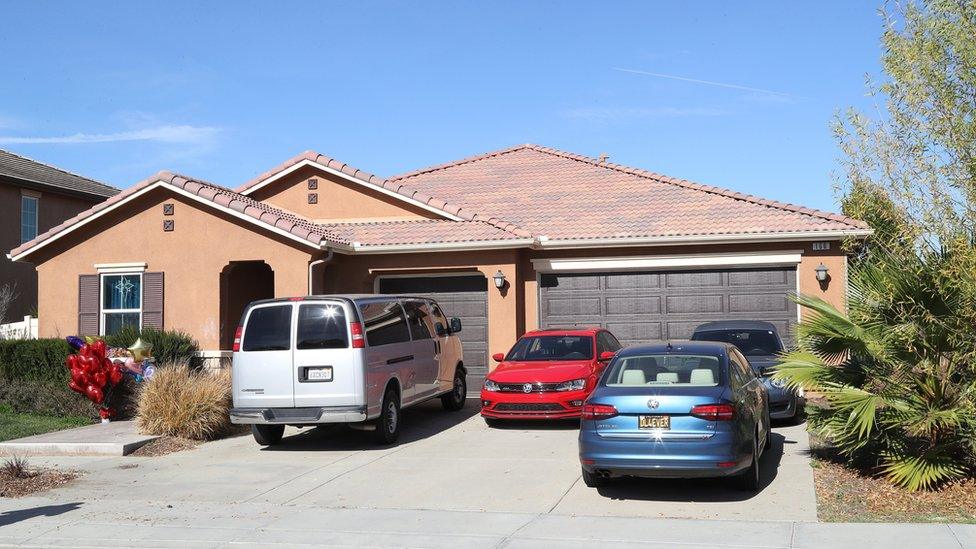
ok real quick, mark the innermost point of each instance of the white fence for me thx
(25, 329)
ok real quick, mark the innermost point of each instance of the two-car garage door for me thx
(647, 306)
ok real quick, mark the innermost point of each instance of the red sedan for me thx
(547, 374)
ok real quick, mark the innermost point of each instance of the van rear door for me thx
(328, 371)
(262, 370)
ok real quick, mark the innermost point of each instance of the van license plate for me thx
(323, 373)
(654, 422)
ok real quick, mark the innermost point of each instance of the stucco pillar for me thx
(503, 308)
(834, 290)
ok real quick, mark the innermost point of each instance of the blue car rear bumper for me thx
(714, 456)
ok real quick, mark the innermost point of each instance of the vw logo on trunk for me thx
(527, 388)
(653, 404)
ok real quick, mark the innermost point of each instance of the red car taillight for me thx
(237, 338)
(358, 341)
(598, 411)
(714, 412)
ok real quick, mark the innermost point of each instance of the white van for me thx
(343, 359)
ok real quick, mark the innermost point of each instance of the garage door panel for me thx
(633, 281)
(635, 332)
(694, 279)
(757, 278)
(695, 304)
(758, 303)
(642, 307)
(633, 305)
(575, 306)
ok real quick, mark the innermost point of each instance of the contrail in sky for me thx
(706, 82)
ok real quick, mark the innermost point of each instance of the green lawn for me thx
(14, 425)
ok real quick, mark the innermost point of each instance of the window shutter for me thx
(88, 305)
(152, 300)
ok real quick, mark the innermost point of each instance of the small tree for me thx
(8, 294)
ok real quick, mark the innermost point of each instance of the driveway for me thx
(444, 461)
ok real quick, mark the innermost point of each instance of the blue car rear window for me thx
(665, 370)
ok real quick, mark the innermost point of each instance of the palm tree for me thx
(898, 371)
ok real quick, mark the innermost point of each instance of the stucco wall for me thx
(52, 209)
(338, 199)
(192, 256)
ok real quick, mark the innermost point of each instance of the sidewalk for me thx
(117, 438)
(45, 522)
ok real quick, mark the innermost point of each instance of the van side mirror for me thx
(455, 325)
(606, 356)
(440, 329)
(498, 357)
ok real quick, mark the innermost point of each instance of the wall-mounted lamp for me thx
(822, 272)
(499, 279)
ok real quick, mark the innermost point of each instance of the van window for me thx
(438, 316)
(322, 326)
(384, 323)
(419, 319)
(268, 329)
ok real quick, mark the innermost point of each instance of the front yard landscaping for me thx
(16, 425)
(847, 494)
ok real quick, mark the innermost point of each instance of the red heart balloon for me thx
(94, 394)
(115, 375)
(76, 387)
(99, 379)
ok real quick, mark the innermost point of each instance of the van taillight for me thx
(598, 411)
(237, 338)
(358, 341)
(714, 412)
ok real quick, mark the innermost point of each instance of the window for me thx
(606, 342)
(268, 329)
(322, 327)
(750, 342)
(440, 321)
(121, 302)
(28, 218)
(552, 348)
(384, 323)
(665, 370)
(419, 319)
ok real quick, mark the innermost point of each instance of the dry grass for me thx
(185, 403)
(17, 478)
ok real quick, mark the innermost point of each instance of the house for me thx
(33, 198)
(508, 241)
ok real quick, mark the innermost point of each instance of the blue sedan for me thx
(678, 410)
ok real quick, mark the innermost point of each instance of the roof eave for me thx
(739, 238)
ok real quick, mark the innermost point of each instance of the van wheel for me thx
(454, 400)
(388, 424)
(593, 480)
(748, 480)
(267, 435)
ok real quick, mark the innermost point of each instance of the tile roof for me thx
(568, 196)
(261, 213)
(397, 187)
(420, 231)
(25, 169)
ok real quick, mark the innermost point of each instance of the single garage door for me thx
(465, 297)
(654, 306)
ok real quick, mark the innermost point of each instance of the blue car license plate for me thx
(654, 422)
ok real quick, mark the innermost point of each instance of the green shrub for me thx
(34, 360)
(49, 398)
(168, 346)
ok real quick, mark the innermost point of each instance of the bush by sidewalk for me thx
(182, 402)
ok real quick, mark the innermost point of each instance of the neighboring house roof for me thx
(565, 196)
(43, 175)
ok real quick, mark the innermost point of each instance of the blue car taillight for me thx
(598, 411)
(714, 412)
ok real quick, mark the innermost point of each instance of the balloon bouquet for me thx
(96, 370)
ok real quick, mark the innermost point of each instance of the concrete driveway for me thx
(444, 461)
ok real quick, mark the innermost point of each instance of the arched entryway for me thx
(241, 282)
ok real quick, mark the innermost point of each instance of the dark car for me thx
(680, 410)
(760, 343)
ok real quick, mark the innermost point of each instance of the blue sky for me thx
(224, 91)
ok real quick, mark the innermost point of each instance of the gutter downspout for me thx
(311, 266)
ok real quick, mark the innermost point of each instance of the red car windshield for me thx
(552, 347)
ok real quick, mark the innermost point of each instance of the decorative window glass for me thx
(121, 302)
(28, 218)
